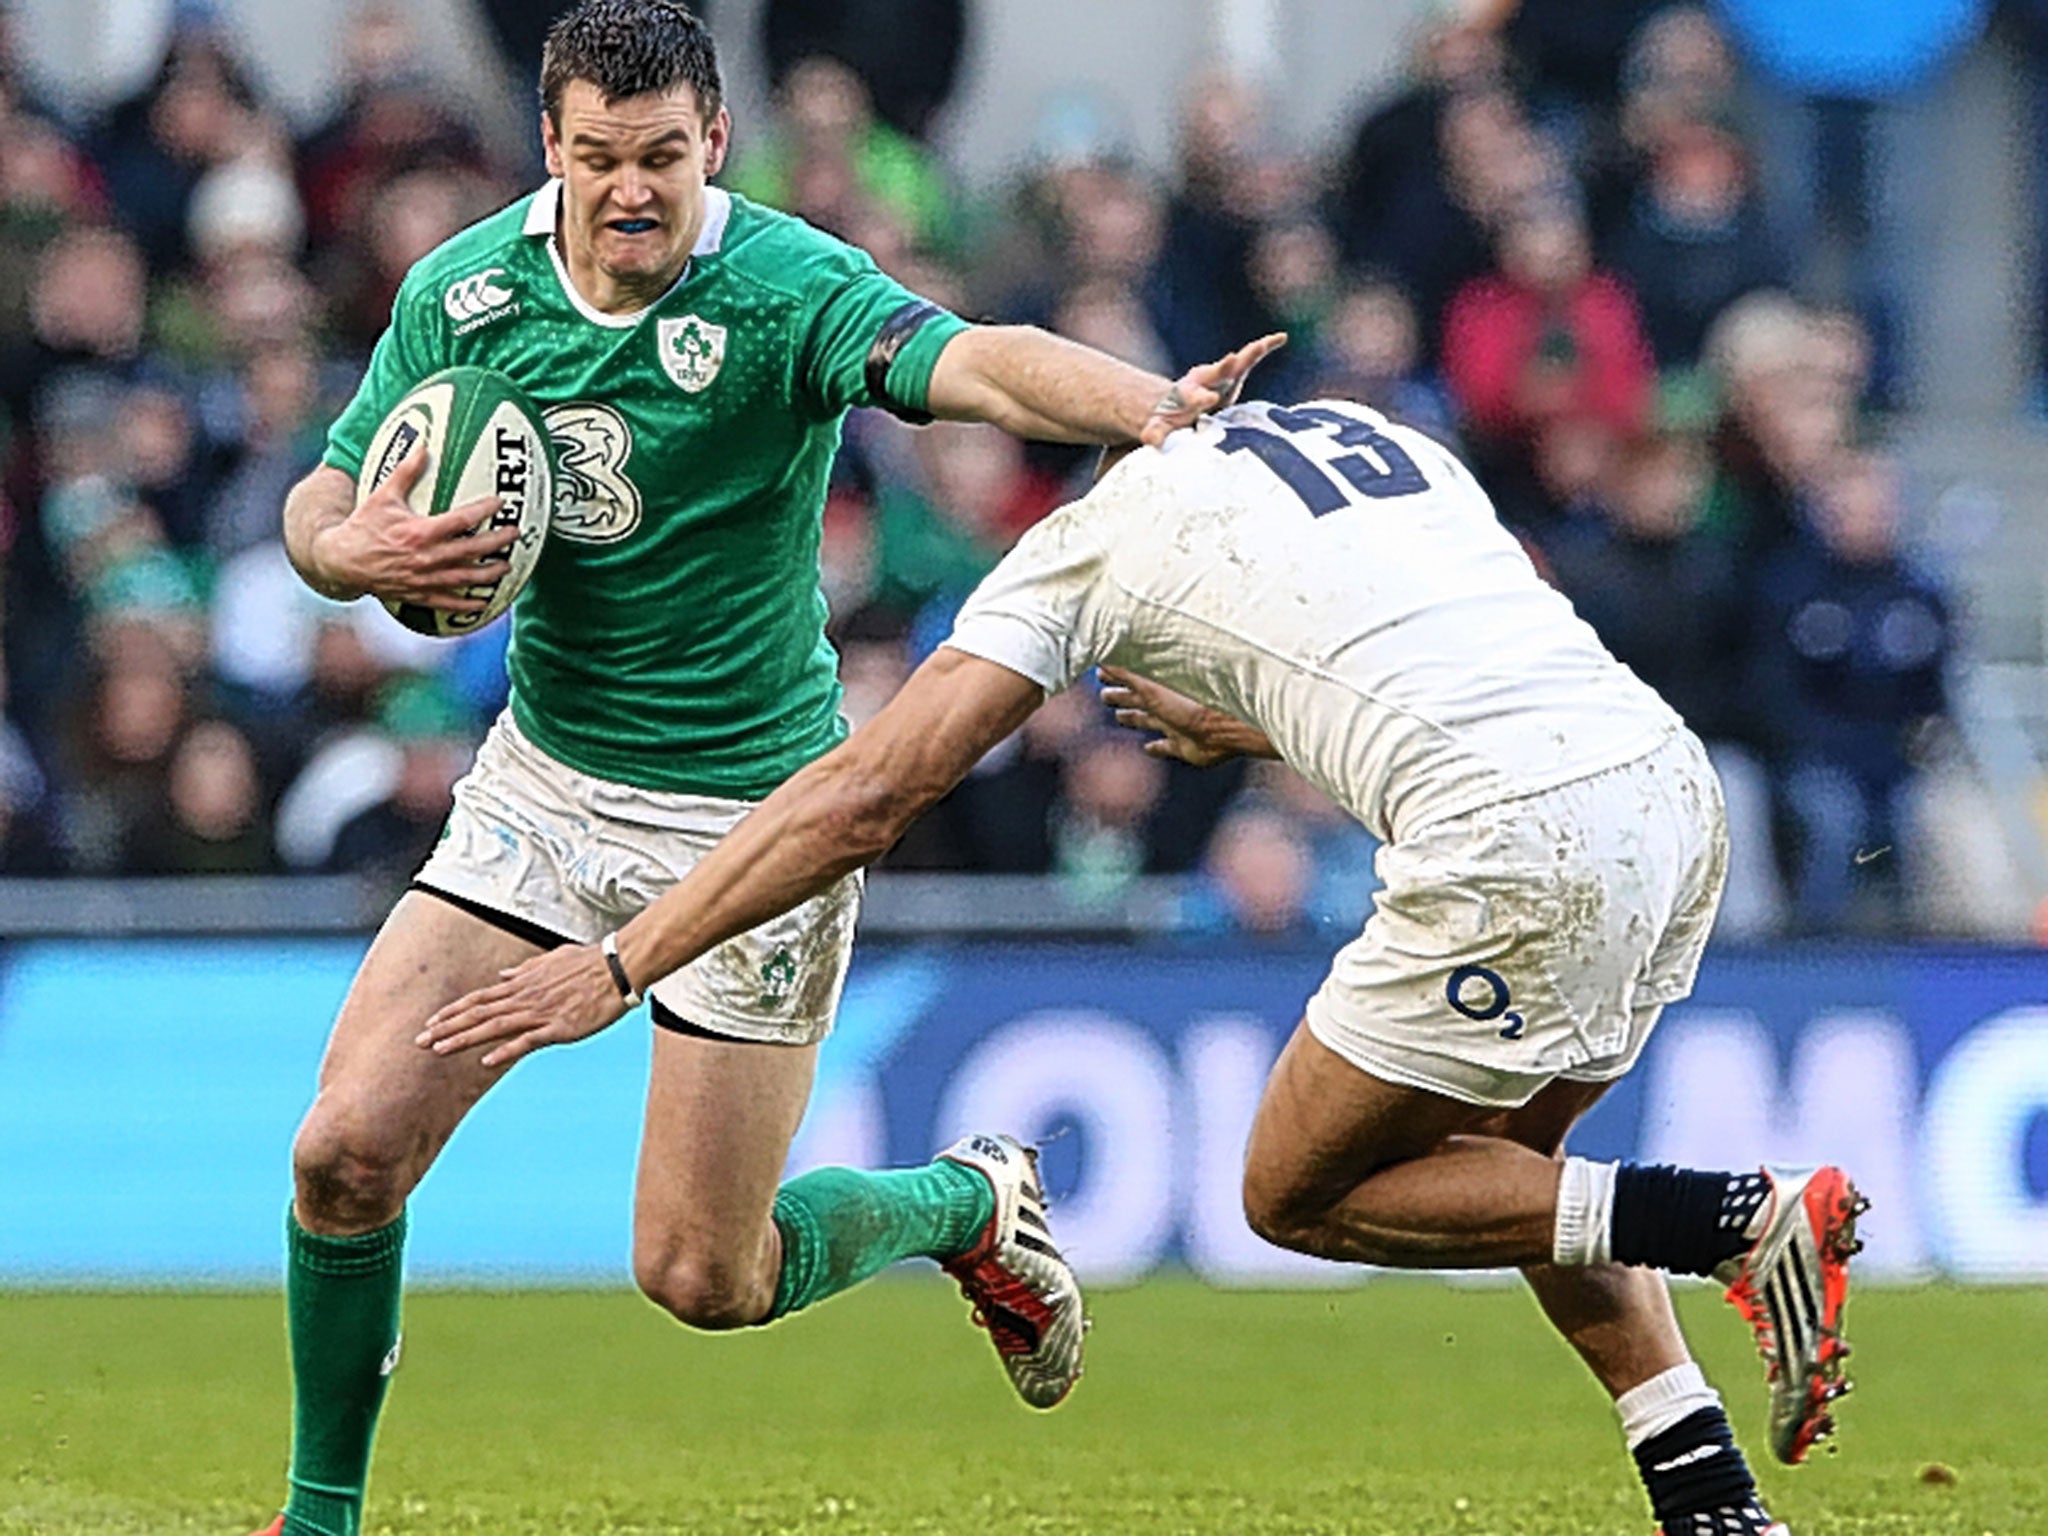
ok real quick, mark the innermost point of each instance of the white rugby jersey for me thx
(1343, 584)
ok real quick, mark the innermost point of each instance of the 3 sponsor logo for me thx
(595, 501)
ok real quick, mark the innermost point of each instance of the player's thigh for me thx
(385, 1107)
(720, 1118)
(1324, 1125)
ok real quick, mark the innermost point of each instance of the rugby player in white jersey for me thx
(1320, 585)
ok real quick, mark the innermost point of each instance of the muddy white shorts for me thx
(1537, 938)
(562, 855)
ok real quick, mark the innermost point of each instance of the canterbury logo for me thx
(474, 297)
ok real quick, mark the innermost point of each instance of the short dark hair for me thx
(629, 48)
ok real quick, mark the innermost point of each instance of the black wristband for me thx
(609, 947)
(895, 334)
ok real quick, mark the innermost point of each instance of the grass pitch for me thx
(1402, 1407)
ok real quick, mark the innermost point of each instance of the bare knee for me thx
(700, 1289)
(1279, 1212)
(1354, 1230)
(345, 1178)
(1345, 1228)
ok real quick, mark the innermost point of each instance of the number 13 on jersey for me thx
(1298, 445)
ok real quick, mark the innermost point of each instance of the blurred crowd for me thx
(1551, 245)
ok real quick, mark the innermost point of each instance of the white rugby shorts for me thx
(576, 856)
(1534, 939)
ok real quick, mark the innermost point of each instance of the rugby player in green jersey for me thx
(693, 354)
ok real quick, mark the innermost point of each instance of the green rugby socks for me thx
(841, 1225)
(838, 1226)
(342, 1302)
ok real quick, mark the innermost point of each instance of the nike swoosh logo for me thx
(1868, 855)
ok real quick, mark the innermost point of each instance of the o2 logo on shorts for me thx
(1482, 995)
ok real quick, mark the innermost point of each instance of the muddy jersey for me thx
(1343, 584)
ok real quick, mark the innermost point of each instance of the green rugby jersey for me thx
(673, 634)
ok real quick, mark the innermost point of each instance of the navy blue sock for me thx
(1682, 1221)
(1699, 1485)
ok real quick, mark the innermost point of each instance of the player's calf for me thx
(1696, 1477)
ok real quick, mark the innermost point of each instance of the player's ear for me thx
(717, 139)
(550, 143)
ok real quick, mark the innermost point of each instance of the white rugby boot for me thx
(1791, 1288)
(1023, 1292)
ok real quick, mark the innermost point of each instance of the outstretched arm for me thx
(841, 812)
(1034, 384)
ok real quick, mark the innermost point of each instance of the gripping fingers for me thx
(449, 576)
(472, 518)
(456, 574)
(404, 474)
(446, 594)
(483, 546)
(442, 603)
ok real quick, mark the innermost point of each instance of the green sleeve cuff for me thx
(340, 456)
(910, 375)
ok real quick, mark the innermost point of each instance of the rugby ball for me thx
(484, 437)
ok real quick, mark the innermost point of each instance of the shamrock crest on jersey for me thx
(594, 501)
(692, 349)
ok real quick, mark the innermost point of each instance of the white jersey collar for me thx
(541, 211)
(545, 208)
